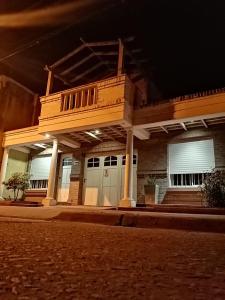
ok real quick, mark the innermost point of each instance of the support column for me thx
(120, 65)
(50, 200)
(128, 200)
(3, 170)
(49, 82)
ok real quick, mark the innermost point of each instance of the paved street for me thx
(56, 260)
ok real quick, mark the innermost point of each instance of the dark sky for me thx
(184, 41)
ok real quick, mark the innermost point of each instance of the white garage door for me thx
(103, 180)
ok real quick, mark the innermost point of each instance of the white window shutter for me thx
(40, 167)
(191, 157)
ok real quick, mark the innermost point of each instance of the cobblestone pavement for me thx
(53, 260)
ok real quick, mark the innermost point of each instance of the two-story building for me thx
(96, 143)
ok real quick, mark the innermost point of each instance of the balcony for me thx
(101, 103)
(198, 106)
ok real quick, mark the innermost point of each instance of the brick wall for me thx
(152, 154)
(106, 147)
(76, 179)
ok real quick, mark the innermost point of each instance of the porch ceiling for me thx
(186, 125)
(104, 134)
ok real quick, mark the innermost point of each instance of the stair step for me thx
(183, 197)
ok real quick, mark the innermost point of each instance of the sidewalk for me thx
(106, 216)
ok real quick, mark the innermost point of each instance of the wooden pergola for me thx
(92, 61)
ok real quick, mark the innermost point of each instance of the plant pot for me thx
(151, 194)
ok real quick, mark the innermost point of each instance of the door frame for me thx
(87, 157)
(60, 173)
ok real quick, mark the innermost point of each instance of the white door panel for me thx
(110, 186)
(92, 186)
(64, 178)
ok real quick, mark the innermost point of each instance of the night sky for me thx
(184, 41)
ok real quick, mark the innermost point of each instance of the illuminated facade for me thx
(97, 143)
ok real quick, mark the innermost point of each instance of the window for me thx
(188, 180)
(93, 162)
(134, 160)
(39, 184)
(110, 161)
(67, 161)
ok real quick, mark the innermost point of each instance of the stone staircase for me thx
(183, 197)
(35, 195)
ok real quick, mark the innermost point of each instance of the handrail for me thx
(185, 97)
(81, 97)
(198, 94)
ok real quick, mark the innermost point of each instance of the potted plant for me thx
(151, 190)
(17, 183)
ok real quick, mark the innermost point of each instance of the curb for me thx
(113, 219)
(175, 222)
(197, 223)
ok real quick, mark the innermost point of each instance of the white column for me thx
(128, 200)
(3, 170)
(49, 200)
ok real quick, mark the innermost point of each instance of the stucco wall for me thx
(17, 162)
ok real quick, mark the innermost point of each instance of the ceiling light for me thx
(97, 131)
(40, 146)
(92, 135)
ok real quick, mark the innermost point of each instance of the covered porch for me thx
(61, 166)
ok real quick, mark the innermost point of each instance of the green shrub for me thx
(16, 183)
(213, 189)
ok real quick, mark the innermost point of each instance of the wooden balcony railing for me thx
(78, 98)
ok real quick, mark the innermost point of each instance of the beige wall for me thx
(17, 162)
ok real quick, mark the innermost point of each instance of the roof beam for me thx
(183, 126)
(109, 43)
(164, 129)
(92, 51)
(141, 134)
(51, 75)
(79, 136)
(66, 57)
(111, 53)
(68, 142)
(22, 149)
(109, 62)
(204, 123)
(117, 131)
(82, 61)
(107, 135)
(87, 72)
